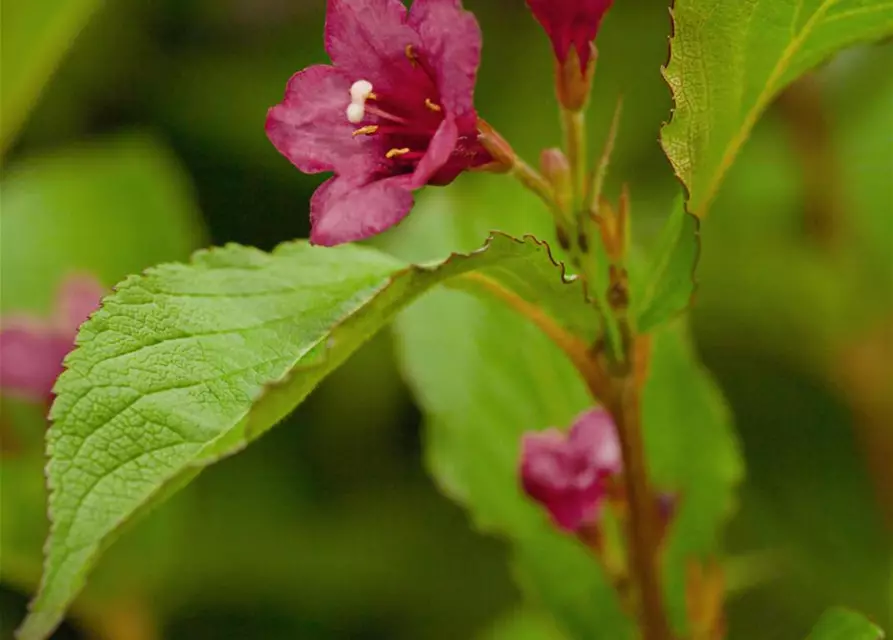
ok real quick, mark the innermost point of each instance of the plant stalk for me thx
(642, 532)
(574, 123)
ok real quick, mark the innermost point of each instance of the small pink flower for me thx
(568, 473)
(32, 348)
(571, 23)
(394, 112)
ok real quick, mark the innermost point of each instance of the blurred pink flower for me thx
(571, 23)
(568, 473)
(32, 348)
(393, 113)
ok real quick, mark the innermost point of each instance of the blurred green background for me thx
(147, 142)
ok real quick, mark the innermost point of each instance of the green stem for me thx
(574, 123)
(535, 182)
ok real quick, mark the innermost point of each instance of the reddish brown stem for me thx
(642, 530)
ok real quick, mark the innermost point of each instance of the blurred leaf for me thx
(730, 59)
(24, 518)
(111, 208)
(189, 363)
(809, 496)
(485, 376)
(841, 624)
(523, 625)
(692, 452)
(671, 276)
(860, 100)
(36, 35)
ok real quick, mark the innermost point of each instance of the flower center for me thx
(406, 129)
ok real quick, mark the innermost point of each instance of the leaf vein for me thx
(734, 145)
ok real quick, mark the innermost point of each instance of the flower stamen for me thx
(384, 114)
(393, 153)
(360, 91)
(410, 54)
(368, 130)
(355, 113)
(433, 106)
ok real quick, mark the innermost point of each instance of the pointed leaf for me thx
(728, 60)
(189, 363)
(671, 282)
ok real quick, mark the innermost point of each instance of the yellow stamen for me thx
(372, 96)
(432, 105)
(367, 130)
(393, 153)
(413, 58)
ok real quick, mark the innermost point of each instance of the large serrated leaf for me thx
(729, 60)
(189, 363)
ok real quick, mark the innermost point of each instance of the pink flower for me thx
(568, 474)
(394, 112)
(32, 348)
(571, 23)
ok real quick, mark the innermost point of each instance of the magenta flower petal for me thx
(439, 151)
(344, 211)
(366, 38)
(451, 42)
(310, 128)
(31, 357)
(567, 474)
(397, 108)
(571, 23)
(593, 431)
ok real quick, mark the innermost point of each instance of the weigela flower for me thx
(571, 24)
(394, 112)
(32, 348)
(568, 474)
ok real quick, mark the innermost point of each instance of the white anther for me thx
(355, 113)
(360, 91)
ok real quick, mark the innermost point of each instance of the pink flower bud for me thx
(568, 473)
(571, 24)
(32, 347)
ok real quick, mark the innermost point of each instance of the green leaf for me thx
(670, 282)
(486, 376)
(189, 363)
(111, 208)
(841, 624)
(692, 453)
(36, 35)
(729, 60)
